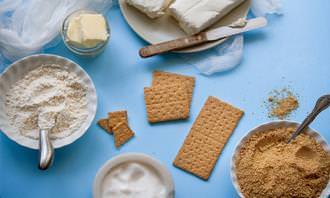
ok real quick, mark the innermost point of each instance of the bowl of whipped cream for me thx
(133, 175)
(46, 84)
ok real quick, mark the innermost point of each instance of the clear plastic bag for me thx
(265, 7)
(220, 58)
(26, 26)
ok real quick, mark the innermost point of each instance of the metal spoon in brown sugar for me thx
(322, 103)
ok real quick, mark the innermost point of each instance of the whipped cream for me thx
(134, 180)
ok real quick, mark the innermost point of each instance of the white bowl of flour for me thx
(46, 83)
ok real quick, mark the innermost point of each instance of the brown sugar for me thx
(267, 166)
(284, 107)
(282, 103)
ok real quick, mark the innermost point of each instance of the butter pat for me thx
(87, 30)
(195, 16)
(73, 32)
(152, 8)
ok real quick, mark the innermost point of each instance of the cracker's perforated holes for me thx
(169, 102)
(207, 137)
(166, 78)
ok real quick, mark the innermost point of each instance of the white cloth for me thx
(27, 26)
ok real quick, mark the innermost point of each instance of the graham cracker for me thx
(116, 117)
(207, 137)
(103, 123)
(169, 102)
(167, 78)
(198, 155)
(122, 133)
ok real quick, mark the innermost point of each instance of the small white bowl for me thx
(132, 157)
(17, 71)
(272, 125)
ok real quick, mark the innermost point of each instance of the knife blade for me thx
(203, 37)
(226, 31)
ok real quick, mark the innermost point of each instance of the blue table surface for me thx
(293, 51)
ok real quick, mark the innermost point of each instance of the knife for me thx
(211, 35)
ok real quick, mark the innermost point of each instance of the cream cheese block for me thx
(152, 8)
(196, 15)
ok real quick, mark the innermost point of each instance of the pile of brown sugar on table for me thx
(281, 103)
(266, 166)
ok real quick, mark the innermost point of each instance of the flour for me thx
(48, 90)
(47, 119)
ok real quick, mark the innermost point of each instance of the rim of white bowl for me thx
(12, 74)
(263, 127)
(161, 169)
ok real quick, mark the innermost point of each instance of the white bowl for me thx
(132, 157)
(272, 125)
(17, 71)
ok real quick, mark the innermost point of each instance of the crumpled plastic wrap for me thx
(265, 7)
(220, 58)
(27, 26)
(229, 54)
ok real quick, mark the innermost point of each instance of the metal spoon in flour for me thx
(322, 103)
(46, 121)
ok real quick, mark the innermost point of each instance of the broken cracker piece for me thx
(165, 103)
(103, 123)
(116, 117)
(122, 134)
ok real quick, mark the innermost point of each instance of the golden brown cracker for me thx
(122, 133)
(167, 78)
(209, 134)
(164, 103)
(103, 123)
(217, 119)
(116, 117)
(198, 155)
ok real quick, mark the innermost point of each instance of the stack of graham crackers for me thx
(207, 137)
(117, 124)
(169, 97)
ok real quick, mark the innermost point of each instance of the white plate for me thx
(133, 157)
(166, 28)
(272, 125)
(17, 71)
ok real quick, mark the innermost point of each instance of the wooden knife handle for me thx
(167, 46)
